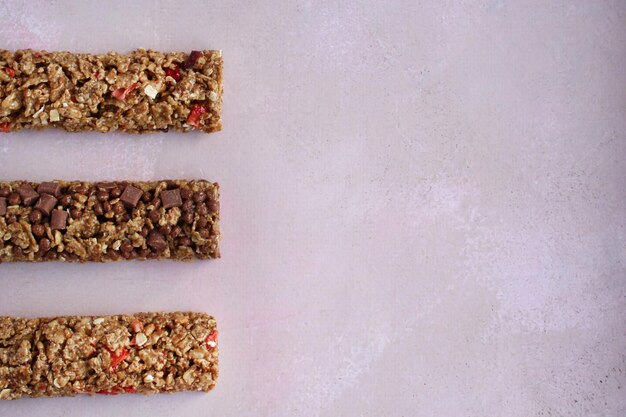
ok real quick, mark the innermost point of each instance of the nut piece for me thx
(4, 394)
(60, 381)
(141, 339)
(150, 91)
(99, 320)
(54, 115)
(148, 379)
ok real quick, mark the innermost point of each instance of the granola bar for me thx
(145, 353)
(140, 92)
(108, 221)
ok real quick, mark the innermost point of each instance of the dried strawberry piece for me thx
(116, 360)
(191, 60)
(173, 72)
(211, 340)
(121, 93)
(4, 127)
(137, 326)
(10, 71)
(36, 54)
(130, 390)
(194, 117)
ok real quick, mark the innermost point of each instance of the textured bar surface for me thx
(107, 221)
(145, 353)
(140, 92)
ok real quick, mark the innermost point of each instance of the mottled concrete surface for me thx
(423, 205)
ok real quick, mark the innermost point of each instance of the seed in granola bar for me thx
(52, 188)
(58, 220)
(14, 199)
(38, 230)
(65, 200)
(28, 195)
(44, 245)
(3, 206)
(156, 241)
(131, 195)
(187, 217)
(76, 213)
(199, 196)
(45, 204)
(191, 60)
(35, 216)
(171, 198)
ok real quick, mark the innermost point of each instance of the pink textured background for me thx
(423, 205)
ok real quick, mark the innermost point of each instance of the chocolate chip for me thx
(118, 208)
(65, 200)
(166, 229)
(58, 220)
(14, 199)
(4, 192)
(38, 230)
(187, 205)
(144, 231)
(146, 197)
(143, 253)
(184, 241)
(176, 230)
(187, 217)
(102, 195)
(204, 233)
(44, 245)
(3, 206)
(156, 202)
(28, 195)
(76, 213)
(81, 189)
(51, 256)
(106, 206)
(202, 221)
(157, 241)
(131, 196)
(18, 252)
(186, 193)
(35, 216)
(199, 196)
(97, 209)
(126, 246)
(51, 188)
(214, 206)
(171, 198)
(154, 216)
(113, 255)
(116, 192)
(45, 204)
(11, 218)
(202, 210)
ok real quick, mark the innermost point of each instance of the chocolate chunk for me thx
(29, 196)
(171, 198)
(157, 241)
(107, 185)
(51, 188)
(131, 195)
(58, 220)
(3, 206)
(45, 204)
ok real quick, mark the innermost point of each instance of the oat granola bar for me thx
(140, 92)
(108, 221)
(145, 353)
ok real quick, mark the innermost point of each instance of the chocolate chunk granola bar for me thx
(140, 92)
(145, 353)
(108, 221)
